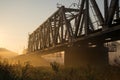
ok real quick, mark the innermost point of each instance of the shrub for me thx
(55, 67)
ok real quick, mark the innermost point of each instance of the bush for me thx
(55, 67)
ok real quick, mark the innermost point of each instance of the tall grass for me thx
(56, 72)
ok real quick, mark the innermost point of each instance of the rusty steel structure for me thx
(84, 26)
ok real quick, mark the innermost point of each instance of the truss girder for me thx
(67, 25)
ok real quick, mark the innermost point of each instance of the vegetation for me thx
(56, 72)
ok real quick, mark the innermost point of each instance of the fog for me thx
(33, 59)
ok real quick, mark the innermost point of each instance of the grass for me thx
(57, 72)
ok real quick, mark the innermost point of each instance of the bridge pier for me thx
(84, 56)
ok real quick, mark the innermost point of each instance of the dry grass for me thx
(57, 72)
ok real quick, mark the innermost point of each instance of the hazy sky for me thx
(20, 17)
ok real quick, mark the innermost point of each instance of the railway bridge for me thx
(80, 32)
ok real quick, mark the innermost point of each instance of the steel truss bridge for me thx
(89, 25)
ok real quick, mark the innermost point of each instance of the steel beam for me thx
(79, 17)
(97, 11)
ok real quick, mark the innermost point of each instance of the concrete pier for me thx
(84, 56)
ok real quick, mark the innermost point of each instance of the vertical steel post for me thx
(112, 9)
(87, 18)
(117, 10)
(105, 11)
